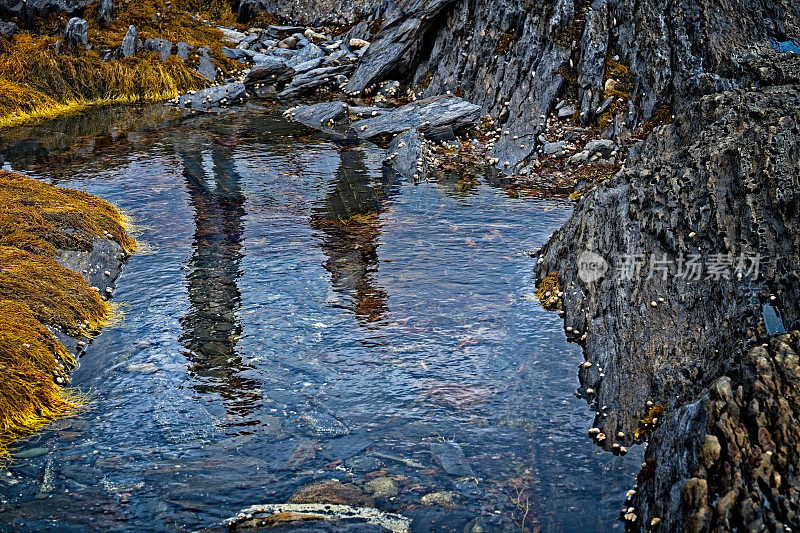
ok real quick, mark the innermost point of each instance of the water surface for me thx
(297, 314)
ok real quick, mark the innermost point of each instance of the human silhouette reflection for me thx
(348, 220)
(211, 326)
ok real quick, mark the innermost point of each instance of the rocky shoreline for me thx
(678, 125)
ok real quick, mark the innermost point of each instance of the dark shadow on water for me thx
(211, 326)
(348, 222)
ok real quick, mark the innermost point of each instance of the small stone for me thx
(382, 487)
(445, 499)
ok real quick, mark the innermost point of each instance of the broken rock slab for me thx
(214, 97)
(405, 151)
(452, 459)
(425, 114)
(319, 78)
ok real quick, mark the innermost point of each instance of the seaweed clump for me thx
(36, 221)
(650, 421)
(549, 292)
(618, 84)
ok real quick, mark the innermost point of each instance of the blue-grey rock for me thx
(8, 30)
(237, 54)
(128, 47)
(162, 46)
(423, 114)
(76, 33)
(183, 50)
(214, 97)
(604, 147)
(554, 148)
(308, 82)
(206, 67)
(404, 152)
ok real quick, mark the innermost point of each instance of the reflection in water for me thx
(211, 328)
(349, 222)
(465, 353)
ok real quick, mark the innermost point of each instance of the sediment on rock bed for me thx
(39, 298)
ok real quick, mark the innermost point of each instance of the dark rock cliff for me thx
(698, 238)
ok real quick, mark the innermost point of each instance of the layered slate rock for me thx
(424, 114)
(392, 44)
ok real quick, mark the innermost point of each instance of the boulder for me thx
(129, 42)
(214, 97)
(76, 33)
(162, 46)
(8, 30)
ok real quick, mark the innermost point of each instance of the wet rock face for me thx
(728, 461)
(693, 238)
(719, 181)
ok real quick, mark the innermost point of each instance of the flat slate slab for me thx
(425, 114)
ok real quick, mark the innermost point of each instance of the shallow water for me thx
(296, 315)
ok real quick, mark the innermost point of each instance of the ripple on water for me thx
(302, 316)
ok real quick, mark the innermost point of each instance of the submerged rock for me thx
(444, 499)
(382, 487)
(452, 459)
(332, 492)
(318, 517)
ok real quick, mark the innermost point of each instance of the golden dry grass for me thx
(36, 220)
